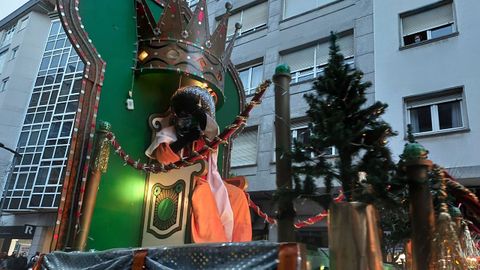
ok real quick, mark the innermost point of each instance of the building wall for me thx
(36, 116)
(21, 72)
(280, 35)
(431, 67)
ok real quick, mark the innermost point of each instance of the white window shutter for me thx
(323, 50)
(232, 21)
(427, 20)
(299, 124)
(255, 16)
(295, 7)
(301, 59)
(244, 150)
(346, 46)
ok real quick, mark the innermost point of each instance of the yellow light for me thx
(143, 55)
(204, 85)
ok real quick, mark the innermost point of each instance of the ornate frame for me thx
(82, 143)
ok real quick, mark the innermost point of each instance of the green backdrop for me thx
(118, 212)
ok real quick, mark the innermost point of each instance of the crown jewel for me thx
(180, 41)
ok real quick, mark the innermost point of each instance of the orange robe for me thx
(206, 223)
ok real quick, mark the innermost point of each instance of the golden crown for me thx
(181, 41)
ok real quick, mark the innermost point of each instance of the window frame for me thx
(428, 32)
(242, 31)
(23, 23)
(433, 100)
(249, 91)
(14, 52)
(255, 161)
(7, 36)
(317, 68)
(2, 61)
(294, 135)
(46, 132)
(192, 3)
(4, 84)
(318, 5)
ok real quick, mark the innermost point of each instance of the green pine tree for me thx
(341, 118)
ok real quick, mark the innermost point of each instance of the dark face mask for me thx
(185, 123)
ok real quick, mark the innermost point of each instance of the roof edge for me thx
(43, 6)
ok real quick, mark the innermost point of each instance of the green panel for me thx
(118, 212)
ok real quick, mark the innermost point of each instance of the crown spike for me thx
(198, 29)
(145, 20)
(172, 20)
(228, 51)
(219, 37)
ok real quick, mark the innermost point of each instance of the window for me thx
(7, 36)
(37, 178)
(3, 86)
(251, 78)
(301, 133)
(295, 7)
(3, 55)
(14, 53)
(244, 150)
(441, 112)
(435, 22)
(308, 63)
(192, 3)
(251, 19)
(23, 23)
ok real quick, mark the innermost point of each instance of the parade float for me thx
(147, 173)
(120, 189)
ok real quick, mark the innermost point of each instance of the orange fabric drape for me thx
(206, 223)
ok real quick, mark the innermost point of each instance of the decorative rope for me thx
(258, 211)
(312, 220)
(239, 121)
(300, 224)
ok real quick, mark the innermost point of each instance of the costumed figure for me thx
(220, 211)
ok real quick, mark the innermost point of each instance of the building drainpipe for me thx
(99, 166)
(286, 212)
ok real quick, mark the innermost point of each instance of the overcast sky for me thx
(8, 6)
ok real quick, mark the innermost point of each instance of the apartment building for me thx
(425, 69)
(41, 86)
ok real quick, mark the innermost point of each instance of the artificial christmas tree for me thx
(341, 118)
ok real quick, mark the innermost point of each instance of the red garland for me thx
(239, 121)
(300, 224)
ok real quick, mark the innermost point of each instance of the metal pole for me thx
(286, 212)
(100, 165)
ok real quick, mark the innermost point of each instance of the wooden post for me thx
(416, 166)
(422, 216)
